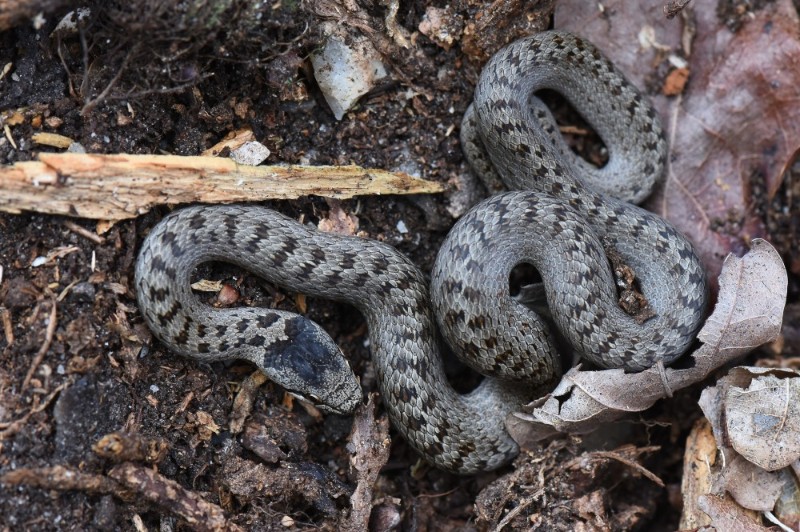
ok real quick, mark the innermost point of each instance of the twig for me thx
(118, 187)
(630, 463)
(369, 445)
(48, 339)
(9, 429)
(524, 503)
(91, 104)
(172, 497)
(65, 478)
(8, 327)
(75, 228)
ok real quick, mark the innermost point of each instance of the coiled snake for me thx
(556, 223)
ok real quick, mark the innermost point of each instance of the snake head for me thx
(308, 363)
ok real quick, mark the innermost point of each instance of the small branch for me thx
(64, 478)
(369, 445)
(77, 229)
(117, 187)
(8, 327)
(48, 339)
(171, 497)
(620, 457)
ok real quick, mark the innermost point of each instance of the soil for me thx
(102, 373)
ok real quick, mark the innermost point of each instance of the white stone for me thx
(345, 73)
(252, 153)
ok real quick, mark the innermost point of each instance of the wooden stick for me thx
(116, 187)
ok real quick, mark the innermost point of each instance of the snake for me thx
(557, 213)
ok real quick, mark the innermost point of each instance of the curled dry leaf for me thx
(754, 418)
(748, 313)
(762, 415)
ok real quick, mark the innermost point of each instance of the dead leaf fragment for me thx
(727, 515)
(751, 487)
(748, 314)
(338, 221)
(202, 424)
(232, 141)
(761, 428)
(676, 81)
(763, 419)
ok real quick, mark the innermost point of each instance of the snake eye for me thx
(309, 398)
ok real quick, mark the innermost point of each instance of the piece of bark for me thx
(369, 447)
(699, 456)
(117, 187)
(131, 446)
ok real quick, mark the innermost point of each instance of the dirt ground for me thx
(102, 373)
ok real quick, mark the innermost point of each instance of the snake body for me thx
(560, 226)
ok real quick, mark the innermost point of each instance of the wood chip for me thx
(52, 139)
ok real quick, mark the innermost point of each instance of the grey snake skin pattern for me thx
(556, 222)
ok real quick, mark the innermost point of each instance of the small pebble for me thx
(345, 72)
(82, 292)
(251, 153)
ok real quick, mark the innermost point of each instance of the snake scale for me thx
(558, 217)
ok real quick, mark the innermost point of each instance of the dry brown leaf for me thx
(751, 413)
(763, 417)
(751, 487)
(748, 313)
(735, 127)
(338, 221)
(728, 516)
